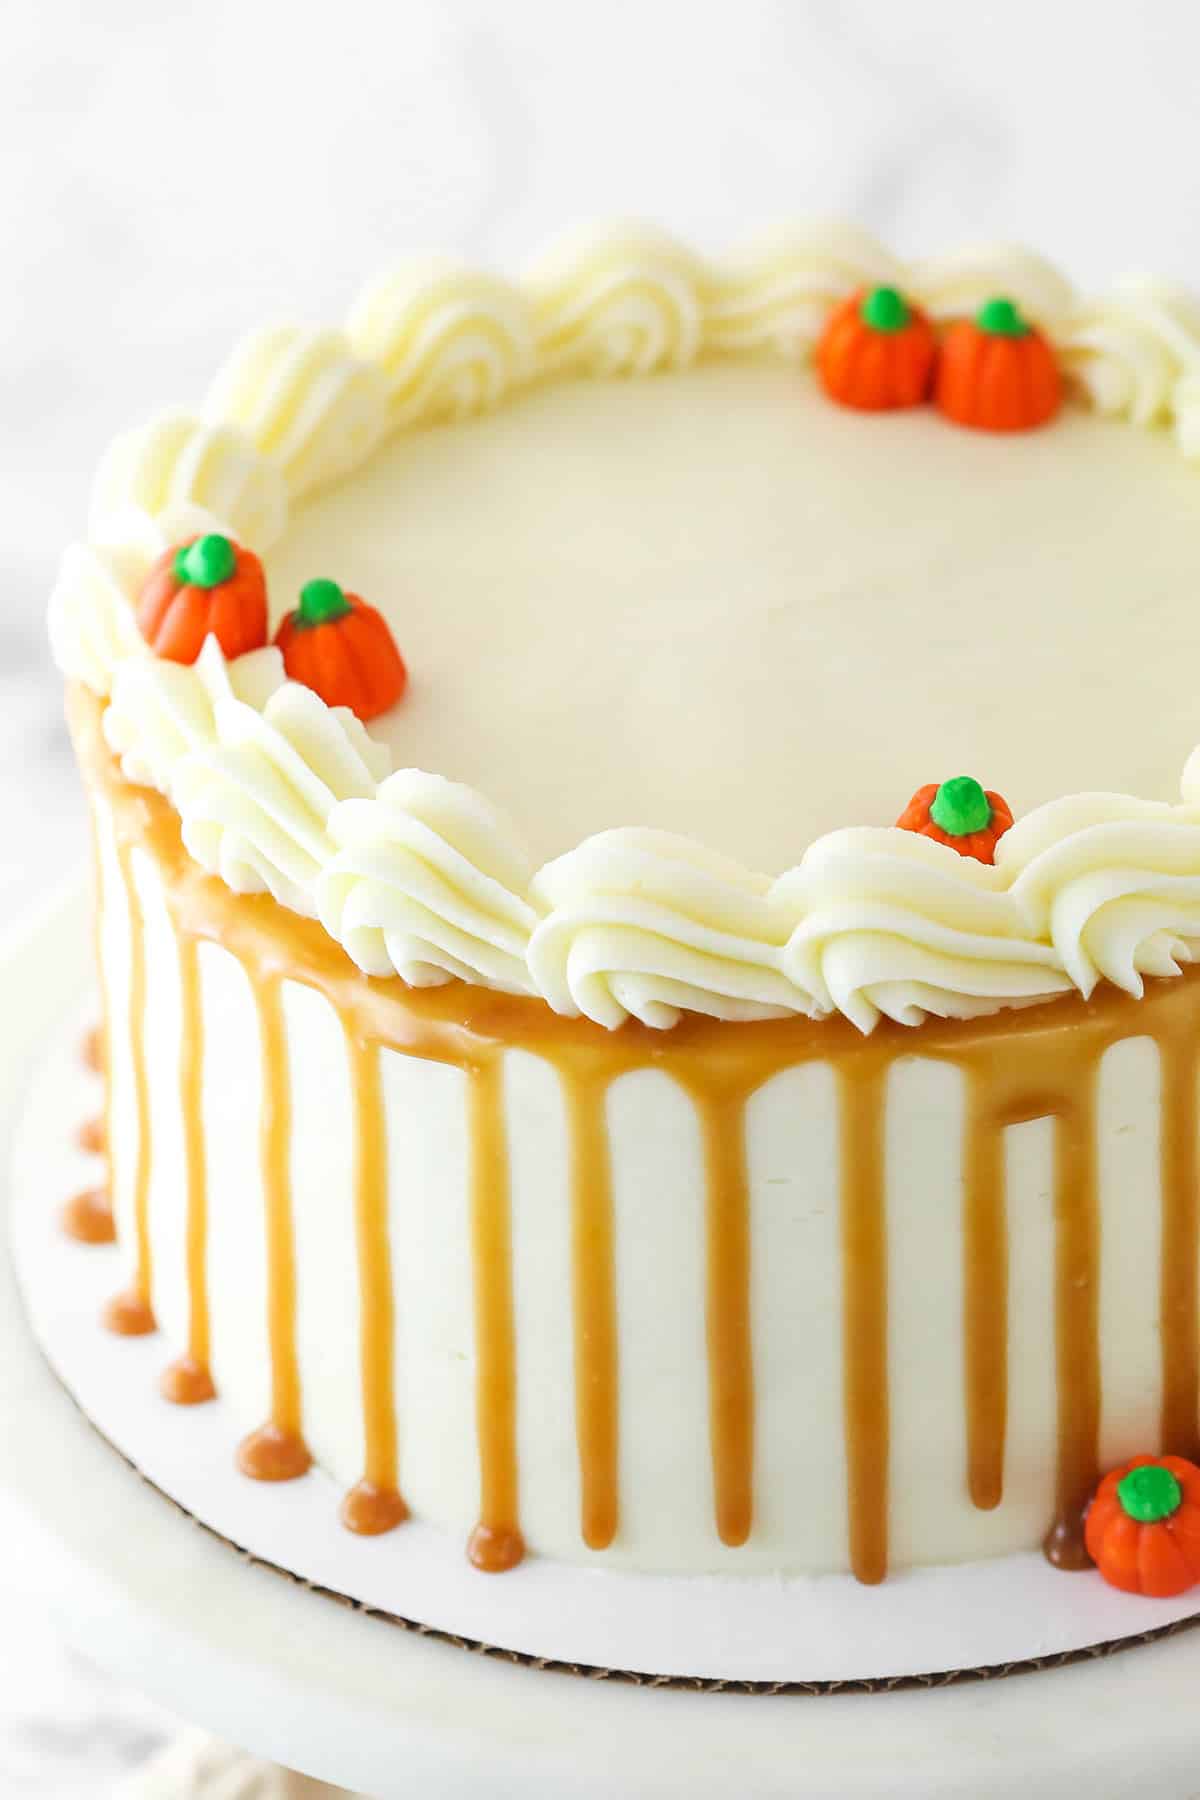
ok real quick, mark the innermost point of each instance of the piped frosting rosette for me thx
(778, 292)
(162, 713)
(892, 924)
(253, 764)
(645, 924)
(429, 883)
(1112, 882)
(305, 401)
(620, 299)
(450, 340)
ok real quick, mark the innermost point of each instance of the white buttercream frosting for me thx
(93, 628)
(646, 924)
(778, 292)
(891, 922)
(617, 300)
(255, 806)
(955, 286)
(254, 764)
(429, 882)
(450, 340)
(162, 712)
(1112, 882)
(179, 461)
(421, 876)
(304, 400)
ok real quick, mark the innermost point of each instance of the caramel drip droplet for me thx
(270, 1454)
(985, 1299)
(128, 1315)
(92, 1136)
(186, 1382)
(88, 1217)
(494, 1551)
(370, 1511)
(496, 1542)
(276, 1451)
(91, 1050)
(374, 1505)
(864, 1317)
(593, 1267)
(727, 1309)
(1063, 1546)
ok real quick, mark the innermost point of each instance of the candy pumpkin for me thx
(996, 372)
(876, 352)
(959, 813)
(341, 648)
(209, 586)
(1143, 1528)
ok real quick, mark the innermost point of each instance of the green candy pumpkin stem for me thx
(206, 562)
(1002, 317)
(960, 807)
(885, 309)
(321, 601)
(1149, 1493)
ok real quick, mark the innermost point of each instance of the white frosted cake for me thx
(583, 1101)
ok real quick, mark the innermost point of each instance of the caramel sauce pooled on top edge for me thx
(1017, 1066)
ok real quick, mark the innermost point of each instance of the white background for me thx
(172, 174)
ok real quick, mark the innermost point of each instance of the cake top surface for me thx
(714, 604)
(681, 648)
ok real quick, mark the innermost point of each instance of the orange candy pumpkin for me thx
(996, 372)
(1143, 1528)
(961, 814)
(341, 648)
(208, 586)
(877, 352)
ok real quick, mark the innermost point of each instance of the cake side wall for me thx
(655, 1403)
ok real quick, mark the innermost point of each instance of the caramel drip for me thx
(88, 1217)
(130, 1314)
(985, 1299)
(375, 1504)
(594, 1292)
(188, 1381)
(864, 1318)
(1179, 1311)
(496, 1541)
(277, 1451)
(1076, 1321)
(1018, 1065)
(721, 1112)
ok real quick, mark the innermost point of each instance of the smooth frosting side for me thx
(421, 876)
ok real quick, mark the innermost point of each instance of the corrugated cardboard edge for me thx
(683, 1683)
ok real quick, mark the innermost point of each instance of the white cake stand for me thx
(325, 1688)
